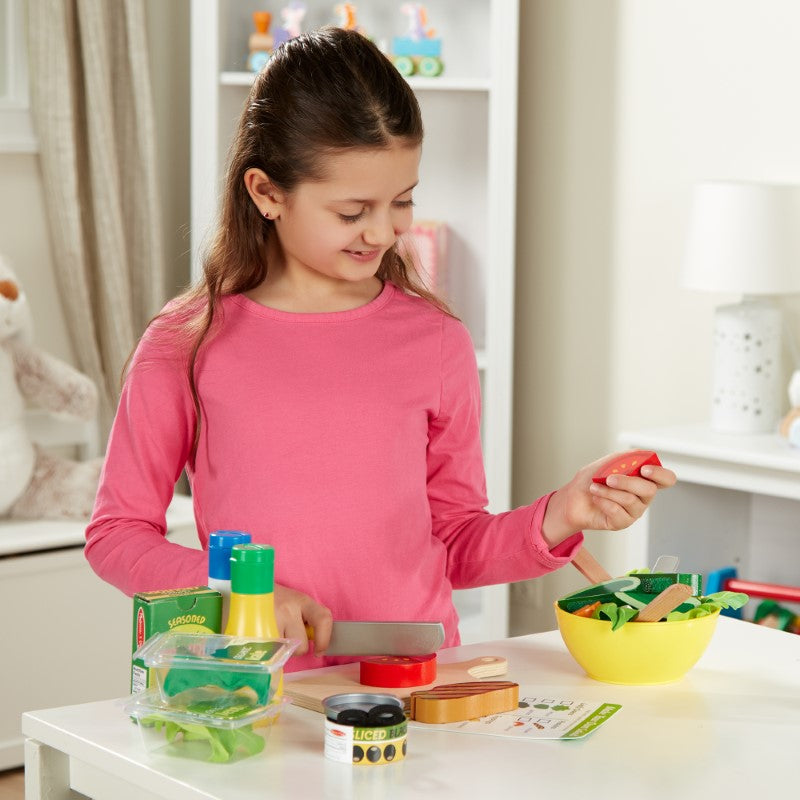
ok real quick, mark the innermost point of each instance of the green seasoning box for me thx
(194, 610)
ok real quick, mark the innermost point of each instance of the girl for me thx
(317, 395)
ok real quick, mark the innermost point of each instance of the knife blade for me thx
(383, 638)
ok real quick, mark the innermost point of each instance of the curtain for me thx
(92, 107)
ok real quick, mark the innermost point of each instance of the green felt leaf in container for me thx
(192, 666)
(227, 673)
(182, 680)
(203, 731)
(223, 744)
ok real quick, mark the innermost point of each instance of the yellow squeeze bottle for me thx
(252, 606)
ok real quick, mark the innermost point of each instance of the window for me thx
(16, 129)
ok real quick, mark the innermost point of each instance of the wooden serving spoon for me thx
(663, 603)
(589, 567)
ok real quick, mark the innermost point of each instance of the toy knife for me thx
(383, 638)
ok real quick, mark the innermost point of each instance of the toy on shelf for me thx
(419, 51)
(292, 16)
(768, 613)
(346, 13)
(790, 425)
(260, 42)
(772, 615)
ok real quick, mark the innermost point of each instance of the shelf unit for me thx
(467, 180)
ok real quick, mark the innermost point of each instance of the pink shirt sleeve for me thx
(149, 444)
(482, 548)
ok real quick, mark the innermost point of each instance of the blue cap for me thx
(220, 544)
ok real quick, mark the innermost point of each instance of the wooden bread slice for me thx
(455, 702)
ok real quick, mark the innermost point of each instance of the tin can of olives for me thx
(365, 729)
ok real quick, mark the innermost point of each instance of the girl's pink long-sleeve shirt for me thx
(350, 441)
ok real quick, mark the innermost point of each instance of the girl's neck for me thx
(283, 294)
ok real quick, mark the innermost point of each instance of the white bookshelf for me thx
(467, 180)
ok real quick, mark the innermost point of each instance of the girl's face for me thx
(338, 229)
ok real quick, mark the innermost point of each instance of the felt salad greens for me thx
(619, 600)
(223, 743)
(709, 604)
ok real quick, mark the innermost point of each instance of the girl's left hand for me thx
(583, 504)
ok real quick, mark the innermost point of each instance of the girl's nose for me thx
(380, 230)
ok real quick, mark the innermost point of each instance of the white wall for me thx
(706, 90)
(623, 106)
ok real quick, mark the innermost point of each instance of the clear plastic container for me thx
(215, 674)
(167, 730)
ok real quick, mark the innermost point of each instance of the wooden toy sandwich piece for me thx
(455, 702)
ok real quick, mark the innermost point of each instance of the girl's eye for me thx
(350, 218)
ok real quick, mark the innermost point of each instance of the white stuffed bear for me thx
(33, 483)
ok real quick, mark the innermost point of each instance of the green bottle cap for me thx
(252, 568)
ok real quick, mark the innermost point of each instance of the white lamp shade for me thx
(744, 238)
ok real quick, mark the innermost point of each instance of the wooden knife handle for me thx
(486, 666)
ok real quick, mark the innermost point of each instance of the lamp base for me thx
(747, 390)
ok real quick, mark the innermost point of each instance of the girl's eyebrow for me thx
(364, 202)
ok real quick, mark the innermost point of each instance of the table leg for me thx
(47, 773)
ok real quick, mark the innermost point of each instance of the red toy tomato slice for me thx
(398, 671)
(627, 464)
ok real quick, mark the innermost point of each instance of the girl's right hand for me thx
(293, 611)
(583, 504)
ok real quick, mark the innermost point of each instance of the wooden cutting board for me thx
(308, 692)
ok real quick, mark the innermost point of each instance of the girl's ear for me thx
(267, 197)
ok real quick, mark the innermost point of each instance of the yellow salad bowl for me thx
(638, 653)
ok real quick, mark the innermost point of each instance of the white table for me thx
(729, 729)
(737, 504)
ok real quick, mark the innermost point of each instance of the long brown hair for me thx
(321, 92)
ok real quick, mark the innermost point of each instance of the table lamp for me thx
(744, 238)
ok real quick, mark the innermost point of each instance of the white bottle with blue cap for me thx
(220, 544)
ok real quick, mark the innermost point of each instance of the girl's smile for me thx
(364, 255)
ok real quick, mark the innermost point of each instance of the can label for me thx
(368, 746)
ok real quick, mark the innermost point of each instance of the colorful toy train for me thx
(420, 50)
